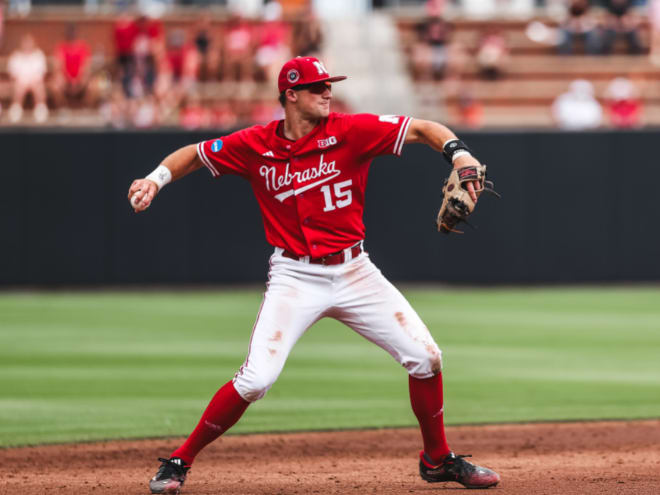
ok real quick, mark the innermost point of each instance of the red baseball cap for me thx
(304, 70)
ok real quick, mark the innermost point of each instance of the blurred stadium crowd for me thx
(135, 70)
(575, 64)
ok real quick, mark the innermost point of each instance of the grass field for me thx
(101, 365)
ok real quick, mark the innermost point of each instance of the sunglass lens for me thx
(319, 88)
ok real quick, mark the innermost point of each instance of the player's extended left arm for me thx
(437, 136)
(176, 165)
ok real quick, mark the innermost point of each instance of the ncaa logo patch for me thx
(293, 75)
(217, 145)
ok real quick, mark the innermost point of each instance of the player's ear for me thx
(291, 95)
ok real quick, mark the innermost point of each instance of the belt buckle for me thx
(325, 258)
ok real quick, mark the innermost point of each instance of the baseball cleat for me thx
(455, 468)
(170, 476)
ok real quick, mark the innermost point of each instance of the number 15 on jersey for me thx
(342, 195)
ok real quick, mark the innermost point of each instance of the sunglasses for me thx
(317, 88)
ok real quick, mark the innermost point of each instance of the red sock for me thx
(225, 408)
(426, 401)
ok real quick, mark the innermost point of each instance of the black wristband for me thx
(452, 147)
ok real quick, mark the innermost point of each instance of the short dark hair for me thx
(282, 98)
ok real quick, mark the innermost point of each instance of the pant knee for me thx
(427, 364)
(252, 388)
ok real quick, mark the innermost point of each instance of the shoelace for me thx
(461, 466)
(169, 467)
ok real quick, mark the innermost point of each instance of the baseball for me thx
(134, 201)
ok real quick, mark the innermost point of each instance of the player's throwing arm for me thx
(143, 191)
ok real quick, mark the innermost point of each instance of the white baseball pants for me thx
(356, 293)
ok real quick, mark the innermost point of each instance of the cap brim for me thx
(329, 79)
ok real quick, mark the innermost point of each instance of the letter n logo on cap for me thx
(319, 67)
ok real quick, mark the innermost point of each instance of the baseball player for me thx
(309, 173)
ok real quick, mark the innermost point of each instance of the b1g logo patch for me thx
(292, 76)
(324, 143)
(216, 146)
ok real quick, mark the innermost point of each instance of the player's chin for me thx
(324, 110)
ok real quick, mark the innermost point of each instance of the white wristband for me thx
(460, 153)
(161, 176)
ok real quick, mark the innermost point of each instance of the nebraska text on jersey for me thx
(310, 191)
(275, 181)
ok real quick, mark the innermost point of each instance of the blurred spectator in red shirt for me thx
(135, 44)
(623, 104)
(492, 54)
(182, 58)
(71, 71)
(27, 68)
(153, 28)
(273, 49)
(178, 67)
(238, 58)
(307, 34)
(147, 42)
(125, 32)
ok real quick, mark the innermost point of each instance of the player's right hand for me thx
(141, 194)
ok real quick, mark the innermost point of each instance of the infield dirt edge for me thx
(562, 457)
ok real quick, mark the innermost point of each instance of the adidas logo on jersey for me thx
(268, 153)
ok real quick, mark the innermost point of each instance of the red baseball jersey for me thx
(310, 191)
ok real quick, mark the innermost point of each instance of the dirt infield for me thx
(565, 458)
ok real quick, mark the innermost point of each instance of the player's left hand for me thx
(459, 195)
(141, 194)
(475, 187)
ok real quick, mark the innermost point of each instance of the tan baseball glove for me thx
(457, 204)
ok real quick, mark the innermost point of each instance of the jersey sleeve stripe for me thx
(398, 136)
(398, 146)
(205, 160)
